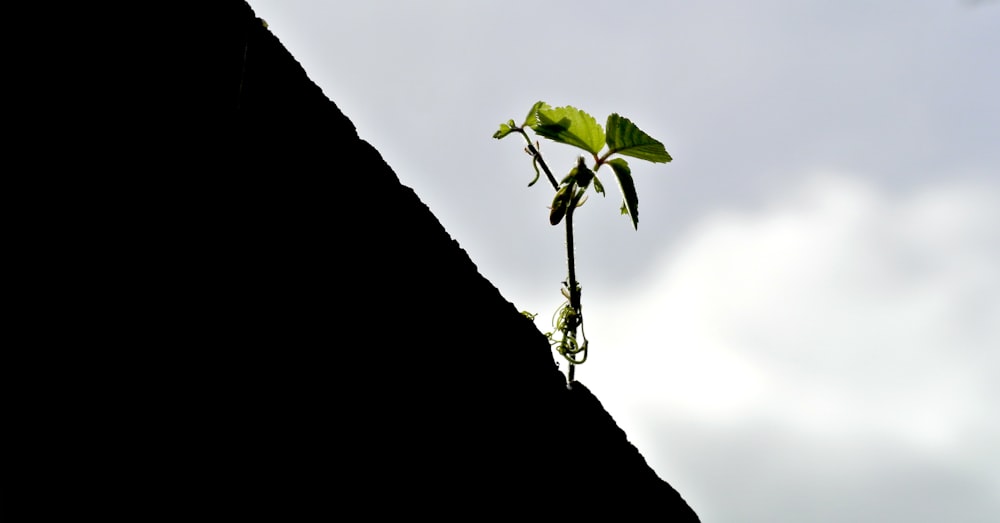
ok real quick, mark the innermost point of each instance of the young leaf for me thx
(624, 175)
(505, 129)
(560, 203)
(625, 138)
(568, 125)
(598, 186)
(569, 178)
(583, 173)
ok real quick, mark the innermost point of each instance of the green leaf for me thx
(532, 119)
(560, 204)
(583, 173)
(568, 125)
(624, 175)
(625, 138)
(598, 186)
(569, 178)
(505, 129)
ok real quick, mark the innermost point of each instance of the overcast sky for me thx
(806, 326)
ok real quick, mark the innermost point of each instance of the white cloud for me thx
(841, 316)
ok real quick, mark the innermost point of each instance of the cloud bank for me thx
(840, 337)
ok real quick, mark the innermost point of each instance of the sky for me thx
(806, 325)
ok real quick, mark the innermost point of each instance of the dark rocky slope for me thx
(320, 345)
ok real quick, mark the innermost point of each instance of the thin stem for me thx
(538, 156)
(574, 288)
(576, 318)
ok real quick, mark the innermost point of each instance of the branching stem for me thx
(569, 323)
(538, 156)
(569, 125)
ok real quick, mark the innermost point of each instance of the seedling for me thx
(572, 126)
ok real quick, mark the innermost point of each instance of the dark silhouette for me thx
(302, 336)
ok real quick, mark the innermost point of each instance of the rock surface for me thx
(321, 346)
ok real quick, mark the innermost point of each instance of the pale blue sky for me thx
(805, 326)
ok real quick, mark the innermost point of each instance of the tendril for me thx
(565, 320)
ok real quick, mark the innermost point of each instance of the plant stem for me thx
(538, 156)
(574, 288)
